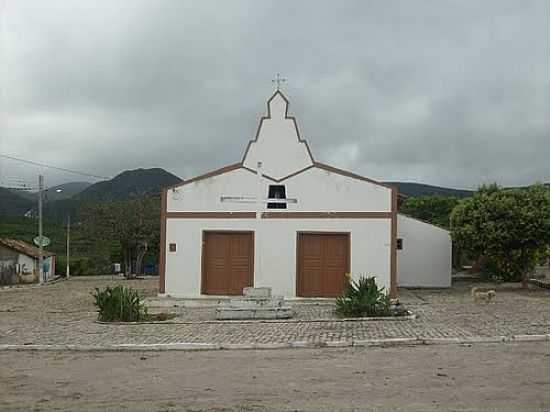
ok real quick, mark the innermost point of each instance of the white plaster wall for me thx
(29, 263)
(276, 239)
(316, 190)
(278, 145)
(425, 260)
(321, 190)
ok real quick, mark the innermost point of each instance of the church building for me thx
(281, 219)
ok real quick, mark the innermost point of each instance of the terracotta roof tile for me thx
(23, 247)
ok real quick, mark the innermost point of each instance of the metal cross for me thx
(278, 79)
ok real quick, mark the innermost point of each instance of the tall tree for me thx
(133, 223)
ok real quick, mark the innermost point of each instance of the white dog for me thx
(483, 296)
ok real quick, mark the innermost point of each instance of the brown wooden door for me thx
(323, 261)
(228, 262)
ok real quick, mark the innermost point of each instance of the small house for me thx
(19, 262)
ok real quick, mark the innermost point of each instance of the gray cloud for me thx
(443, 92)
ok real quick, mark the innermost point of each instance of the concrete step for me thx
(284, 312)
(251, 292)
(257, 303)
(245, 302)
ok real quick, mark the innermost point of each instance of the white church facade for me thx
(280, 219)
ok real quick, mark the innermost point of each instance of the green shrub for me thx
(363, 298)
(510, 227)
(120, 304)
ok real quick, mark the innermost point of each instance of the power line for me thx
(53, 167)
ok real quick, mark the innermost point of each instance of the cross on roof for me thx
(278, 79)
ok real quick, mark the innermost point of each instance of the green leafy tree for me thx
(433, 209)
(134, 224)
(511, 228)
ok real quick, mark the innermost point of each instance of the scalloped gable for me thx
(277, 143)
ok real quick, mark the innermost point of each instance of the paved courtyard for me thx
(63, 314)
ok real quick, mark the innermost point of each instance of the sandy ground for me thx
(498, 377)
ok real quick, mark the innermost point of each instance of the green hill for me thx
(59, 192)
(128, 184)
(13, 204)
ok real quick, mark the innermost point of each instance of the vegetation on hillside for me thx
(88, 255)
(12, 204)
(130, 184)
(112, 221)
(433, 209)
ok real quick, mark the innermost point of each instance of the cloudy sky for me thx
(450, 93)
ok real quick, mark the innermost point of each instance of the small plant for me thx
(120, 304)
(363, 298)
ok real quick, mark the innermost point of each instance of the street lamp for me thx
(40, 234)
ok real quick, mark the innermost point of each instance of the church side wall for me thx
(276, 239)
(425, 260)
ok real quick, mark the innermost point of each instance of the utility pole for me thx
(68, 271)
(40, 247)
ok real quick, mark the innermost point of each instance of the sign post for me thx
(40, 245)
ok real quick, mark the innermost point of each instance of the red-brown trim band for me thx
(278, 92)
(326, 215)
(212, 173)
(162, 257)
(393, 250)
(279, 215)
(211, 215)
(349, 174)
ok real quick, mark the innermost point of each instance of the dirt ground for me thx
(498, 377)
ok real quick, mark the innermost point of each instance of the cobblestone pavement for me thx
(63, 313)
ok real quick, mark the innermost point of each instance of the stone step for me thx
(284, 312)
(263, 292)
(257, 303)
(245, 302)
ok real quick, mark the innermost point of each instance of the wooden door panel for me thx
(323, 261)
(216, 250)
(228, 263)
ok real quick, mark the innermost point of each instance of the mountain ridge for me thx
(128, 184)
